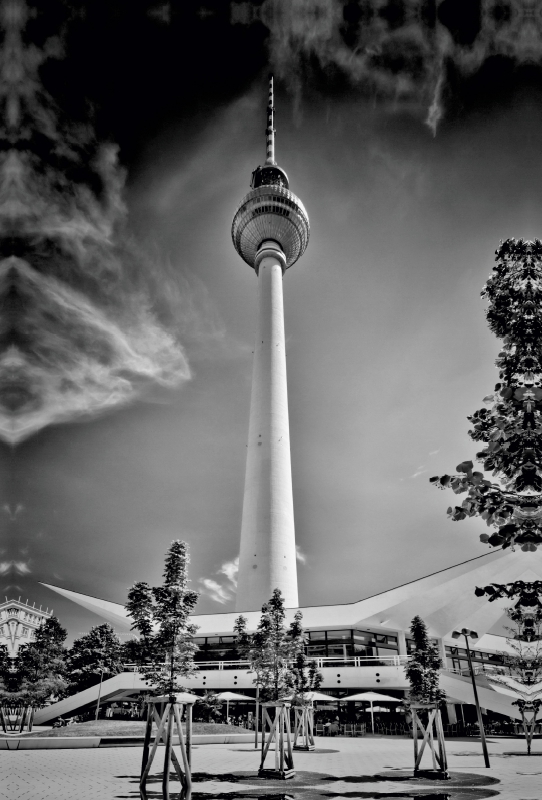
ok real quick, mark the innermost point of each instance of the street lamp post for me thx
(257, 716)
(473, 635)
(99, 694)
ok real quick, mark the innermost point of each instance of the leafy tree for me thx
(276, 654)
(6, 673)
(40, 666)
(525, 632)
(423, 668)
(208, 708)
(306, 677)
(97, 652)
(165, 651)
(510, 427)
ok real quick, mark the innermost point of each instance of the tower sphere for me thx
(270, 211)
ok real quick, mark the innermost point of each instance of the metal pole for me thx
(99, 695)
(257, 717)
(475, 691)
(188, 716)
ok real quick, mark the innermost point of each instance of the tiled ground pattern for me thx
(106, 774)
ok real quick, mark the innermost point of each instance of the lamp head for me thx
(465, 632)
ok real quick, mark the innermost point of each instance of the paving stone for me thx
(111, 773)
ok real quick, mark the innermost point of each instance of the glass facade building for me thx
(335, 644)
(456, 658)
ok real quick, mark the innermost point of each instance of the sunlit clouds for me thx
(222, 590)
(14, 568)
(400, 55)
(86, 323)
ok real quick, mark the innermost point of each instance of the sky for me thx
(129, 138)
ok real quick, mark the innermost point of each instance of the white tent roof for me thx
(445, 598)
(319, 696)
(372, 697)
(233, 696)
(312, 696)
(180, 697)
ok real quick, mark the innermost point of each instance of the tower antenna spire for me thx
(270, 130)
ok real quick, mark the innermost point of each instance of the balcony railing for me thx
(479, 669)
(321, 663)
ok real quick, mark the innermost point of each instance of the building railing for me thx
(479, 669)
(321, 663)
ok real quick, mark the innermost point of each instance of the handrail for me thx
(322, 663)
(479, 669)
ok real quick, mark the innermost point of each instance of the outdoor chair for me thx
(319, 730)
(360, 729)
(348, 730)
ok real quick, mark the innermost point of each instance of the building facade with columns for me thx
(18, 623)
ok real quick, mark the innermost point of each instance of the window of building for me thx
(216, 648)
(339, 635)
(316, 650)
(410, 644)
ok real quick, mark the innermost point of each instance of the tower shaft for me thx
(267, 558)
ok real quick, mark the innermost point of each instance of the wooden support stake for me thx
(167, 753)
(147, 741)
(145, 772)
(279, 733)
(187, 779)
(434, 726)
(189, 734)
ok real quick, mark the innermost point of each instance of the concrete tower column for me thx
(267, 558)
(270, 231)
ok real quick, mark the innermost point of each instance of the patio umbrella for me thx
(370, 697)
(313, 696)
(227, 696)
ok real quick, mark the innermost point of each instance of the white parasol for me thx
(313, 697)
(227, 696)
(371, 697)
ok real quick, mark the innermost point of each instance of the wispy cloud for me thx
(14, 568)
(215, 590)
(230, 569)
(300, 555)
(416, 474)
(223, 589)
(13, 511)
(89, 323)
(434, 452)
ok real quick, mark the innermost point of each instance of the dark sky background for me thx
(412, 133)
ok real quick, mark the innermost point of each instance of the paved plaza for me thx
(104, 774)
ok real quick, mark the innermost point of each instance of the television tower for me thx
(270, 231)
